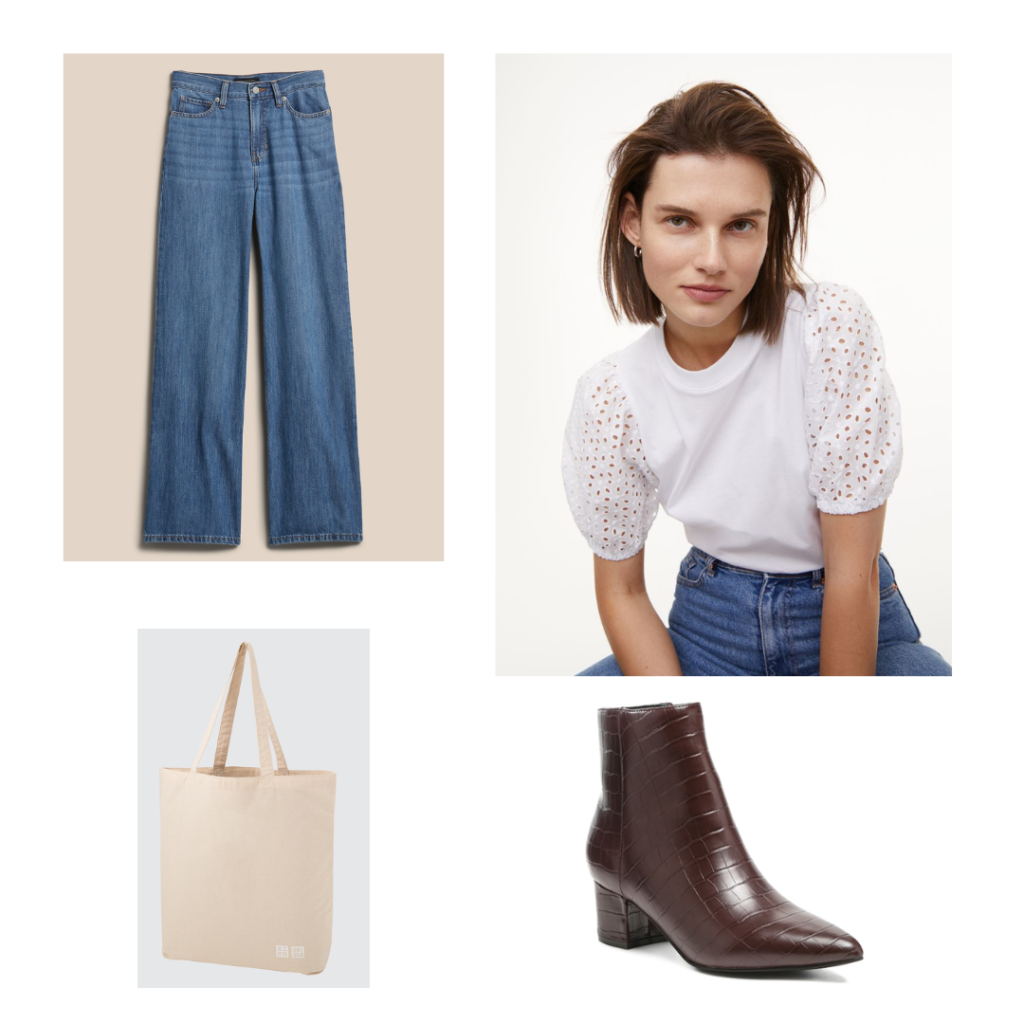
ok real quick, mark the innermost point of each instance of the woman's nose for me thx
(709, 257)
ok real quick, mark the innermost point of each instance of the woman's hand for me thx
(849, 615)
(638, 637)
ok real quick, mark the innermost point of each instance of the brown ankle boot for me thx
(669, 863)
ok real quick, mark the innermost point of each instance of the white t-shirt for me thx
(745, 452)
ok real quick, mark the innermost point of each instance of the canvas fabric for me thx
(247, 854)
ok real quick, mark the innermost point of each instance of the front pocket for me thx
(307, 103)
(691, 572)
(194, 106)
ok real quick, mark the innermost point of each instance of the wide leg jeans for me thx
(243, 151)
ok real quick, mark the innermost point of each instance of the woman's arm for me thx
(849, 616)
(638, 637)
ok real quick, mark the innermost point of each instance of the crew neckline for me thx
(735, 359)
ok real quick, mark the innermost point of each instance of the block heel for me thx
(623, 924)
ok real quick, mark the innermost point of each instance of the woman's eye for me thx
(677, 222)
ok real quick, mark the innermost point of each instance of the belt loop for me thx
(224, 93)
(711, 566)
(277, 92)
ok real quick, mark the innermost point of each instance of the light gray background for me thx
(879, 128)
(317, 686)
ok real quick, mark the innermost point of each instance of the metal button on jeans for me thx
(255, 88)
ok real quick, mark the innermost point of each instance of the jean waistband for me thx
(240, 86)
(712, 562)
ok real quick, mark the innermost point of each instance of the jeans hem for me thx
(186, 538)
(315, 538)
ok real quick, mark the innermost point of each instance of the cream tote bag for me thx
(247, 854)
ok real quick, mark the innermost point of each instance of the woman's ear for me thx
(629, 219)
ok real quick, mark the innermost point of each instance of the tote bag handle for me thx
(264, 725)
(228, 718)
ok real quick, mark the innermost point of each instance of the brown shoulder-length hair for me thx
(713, 119)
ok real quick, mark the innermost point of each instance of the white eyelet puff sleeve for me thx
(611, 490)
(852, 412)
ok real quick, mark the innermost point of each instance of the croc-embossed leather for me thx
(669, 864)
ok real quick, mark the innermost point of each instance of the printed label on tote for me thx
(282, 950)
(298, 952)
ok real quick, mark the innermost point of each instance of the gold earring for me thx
(637, 250)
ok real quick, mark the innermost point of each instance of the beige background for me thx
(388, 123)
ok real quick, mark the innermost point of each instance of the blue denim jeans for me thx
(730, 621)
(245, 152)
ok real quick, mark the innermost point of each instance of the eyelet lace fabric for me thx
(852, 420)
(611, 490)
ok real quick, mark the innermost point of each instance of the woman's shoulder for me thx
(828, 301)
(829, 308)
(611, 368)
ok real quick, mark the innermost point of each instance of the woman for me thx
(756, 410)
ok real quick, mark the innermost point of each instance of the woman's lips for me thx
(705, 295)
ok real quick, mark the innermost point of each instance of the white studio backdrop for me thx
(878, 127)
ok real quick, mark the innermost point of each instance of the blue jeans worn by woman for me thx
(730, 621)
(245, 152)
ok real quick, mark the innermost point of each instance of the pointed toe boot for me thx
(668, 862)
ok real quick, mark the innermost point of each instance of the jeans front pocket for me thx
(308, 103)
(193, 105)
(692, 572)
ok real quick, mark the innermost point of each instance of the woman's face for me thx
(704, 222)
